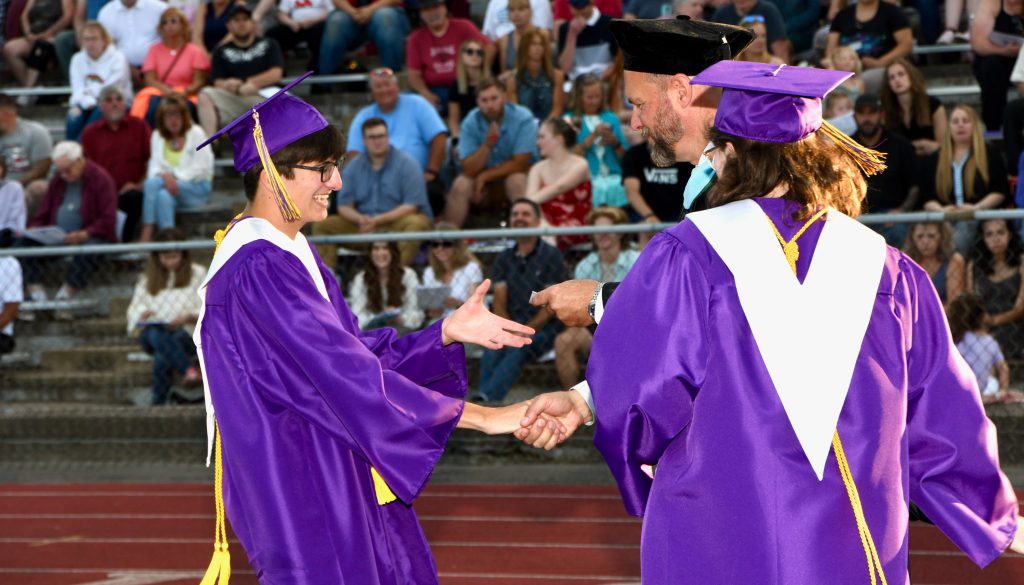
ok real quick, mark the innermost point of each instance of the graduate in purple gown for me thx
(773, 384)
(327, 434)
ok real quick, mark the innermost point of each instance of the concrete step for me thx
(120, 387)
(87, 359)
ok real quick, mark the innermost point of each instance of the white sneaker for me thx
(37, 294)
(946, 38)
(63, 294)
(964, 37)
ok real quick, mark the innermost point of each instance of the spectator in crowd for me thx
(451, 264)
(838, 111)
(601, 140)
(66, 43)
(996, 30)
(930, 244)
(655, 193)
(895, 189)
(497, 143)
(25, 146)
(645, 9)
(521, 15)
(352, 23)
(178, 175)
(530, 265)
(432, 51)
(384, 294)
(241, 67)
(11, 297)
(562, 10)
(28, 55)
(909, 110)
(174, 68)
(966, 173)
(163, 312)
(846, 59)
(1013, 118)
(737, 11)
(954, 13)
(414, 127)
(134, 25)
(81, 200)
(801, 21)
(757, 50)
(981, 351)
(536, 84)
(462, 93)
(993, 273)
(498, 20)
(301, 21)
(210, 26)
(560, 182)
(13, 218)
(609, 262)
(878, 31)
(119, 142)
(694, 9)
(382, 190)
(585, 43)
(96, 66)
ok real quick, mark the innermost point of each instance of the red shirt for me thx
(98, 206)
(612, 8)
(435, 57)
(124, 153)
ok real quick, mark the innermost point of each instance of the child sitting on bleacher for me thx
(164, 310)
(980, 350)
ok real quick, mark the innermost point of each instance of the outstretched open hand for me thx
(473, 323)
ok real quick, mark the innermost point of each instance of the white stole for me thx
(244, 232)
(809, 335)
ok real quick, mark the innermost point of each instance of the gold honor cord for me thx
(792, 251)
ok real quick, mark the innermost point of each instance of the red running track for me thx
(145, 534)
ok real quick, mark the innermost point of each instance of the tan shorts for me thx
(230, 105)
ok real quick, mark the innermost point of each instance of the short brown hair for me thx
(323, 145)
(488, 83)
(373, 123)
(167, 104)
(816, 171)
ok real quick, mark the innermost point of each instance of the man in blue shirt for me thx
(498, 140)
(414, 127)
(381, 190)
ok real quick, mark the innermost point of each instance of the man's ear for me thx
(679, 89)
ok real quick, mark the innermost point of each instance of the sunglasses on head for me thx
(442, 244)
(382, 72)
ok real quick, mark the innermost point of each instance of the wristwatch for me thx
(592, 307)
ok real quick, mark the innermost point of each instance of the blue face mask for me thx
(701, 179)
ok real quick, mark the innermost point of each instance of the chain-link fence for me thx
(121, 332)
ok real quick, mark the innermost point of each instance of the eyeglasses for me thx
(473, 52)
(380, 136)
(442, 244)
(174, 20)
(326, 170)
(113, 99)
(752, 18)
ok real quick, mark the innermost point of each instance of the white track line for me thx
(422, 517)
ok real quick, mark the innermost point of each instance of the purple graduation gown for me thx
(678, 380)
(306, 403)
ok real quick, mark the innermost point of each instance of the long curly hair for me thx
(919, 110)
(981, 257)
(946, 246)
(395, 287)
(816, 171)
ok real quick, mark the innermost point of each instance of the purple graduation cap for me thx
(268, 127)
(780, 104)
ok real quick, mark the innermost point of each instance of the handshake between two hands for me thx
(543, 421)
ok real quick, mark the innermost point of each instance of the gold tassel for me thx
(870, 161)
(219, 570)
(284, 202)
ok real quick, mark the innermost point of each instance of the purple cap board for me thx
(769, 103)
(284, 120)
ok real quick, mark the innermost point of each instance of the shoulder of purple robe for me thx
(953, 458)
(649, 357)
(297, 354)
(421, 355)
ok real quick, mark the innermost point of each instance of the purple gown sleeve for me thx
(647, 363)
(327, 375)
(954, 464)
